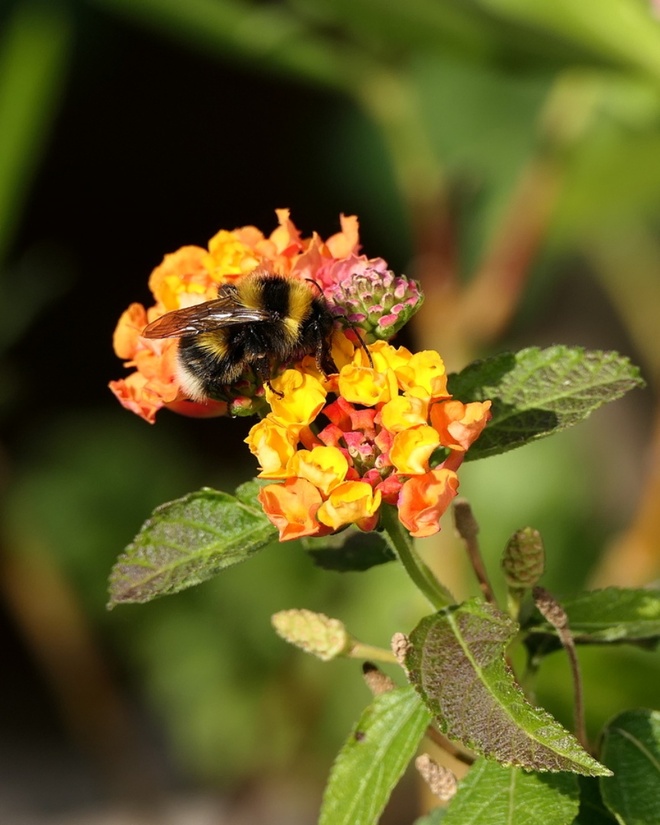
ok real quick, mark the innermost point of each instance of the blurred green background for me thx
(505, 152)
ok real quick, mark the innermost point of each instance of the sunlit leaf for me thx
(620, 30)
(186, 542)
(538, 392)
(492, 794)
(457, 662)
(373, 758)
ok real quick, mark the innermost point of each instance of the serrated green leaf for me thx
(537, 392)
(631, 748)
(374, 758)
(492, 794)
(186, 542)
(349, 551)
(614, 614)
(457, 662)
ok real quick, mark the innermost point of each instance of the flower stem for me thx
(401, 543)
(555, 614)
(467, 528)
(378, 654)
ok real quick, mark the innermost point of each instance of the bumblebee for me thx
(262, 322)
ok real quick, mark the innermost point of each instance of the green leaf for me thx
(592, 807)
(350, 550)
(374, 758)
(492, 794)
(247, 492)
(186, 542)
(631, 748)
(457, 662)
(537, 392)
(614, 614)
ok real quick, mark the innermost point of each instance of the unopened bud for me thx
(313, 632)
(376, 301)
(377, 681)
(441, 781)
(400, 645)
(523, 561)
(550, 608)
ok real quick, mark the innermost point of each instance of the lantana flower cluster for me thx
(193, 274)
(383, 431)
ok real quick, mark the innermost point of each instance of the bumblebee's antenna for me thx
(349, 323)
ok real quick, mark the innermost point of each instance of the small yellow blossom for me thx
(412, 448)
(301, 398)
(324, 467)
(403, 412)
(366, 386)
(424, 371)
(228, 257)
(274, 446)
(350, 503)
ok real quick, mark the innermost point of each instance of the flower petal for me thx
(424, 499)
(292, 508)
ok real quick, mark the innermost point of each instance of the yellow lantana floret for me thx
(303, 397)
(274, 446)
(403, 412)
(324, 467)
(385, 356)
(412, 448)
(349, 503)
(425, 372)
(366, 386)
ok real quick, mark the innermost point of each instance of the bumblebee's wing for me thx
(222, 312)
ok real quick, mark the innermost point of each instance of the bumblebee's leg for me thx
(262, 369)
(323, 356)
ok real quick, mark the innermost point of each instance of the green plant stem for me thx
(401, 543)
(369, 652)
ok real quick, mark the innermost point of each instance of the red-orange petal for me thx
(424, 499)
(292, 508)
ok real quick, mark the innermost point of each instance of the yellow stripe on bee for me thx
(300, 301)
(251, 292)
(213, 342)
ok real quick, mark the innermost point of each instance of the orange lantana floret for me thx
(292, 507)
(424, 499)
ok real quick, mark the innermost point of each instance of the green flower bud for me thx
(523, 561)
